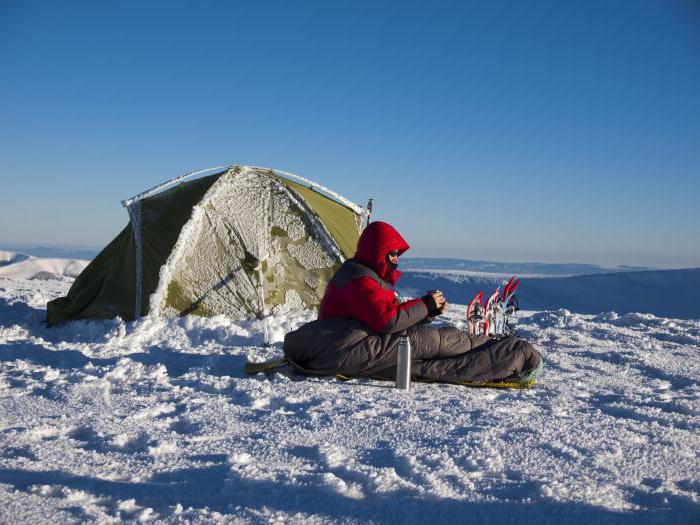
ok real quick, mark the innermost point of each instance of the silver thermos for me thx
(403, 364)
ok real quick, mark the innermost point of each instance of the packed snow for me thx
(155, 420)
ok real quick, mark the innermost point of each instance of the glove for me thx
(432, 306)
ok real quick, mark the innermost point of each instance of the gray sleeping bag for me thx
(348, 347)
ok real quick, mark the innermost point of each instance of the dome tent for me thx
(241, 242)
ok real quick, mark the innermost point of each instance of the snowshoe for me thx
(475, 315)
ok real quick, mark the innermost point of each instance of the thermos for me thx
(403, 364)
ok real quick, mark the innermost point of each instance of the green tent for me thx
(242, 242)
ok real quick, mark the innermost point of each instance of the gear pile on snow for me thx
(495, 317)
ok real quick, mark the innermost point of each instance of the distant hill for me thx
(53, 252)
(667, 293)
(7, 258)
(22, 266)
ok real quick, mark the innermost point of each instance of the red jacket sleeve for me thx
(379, 309)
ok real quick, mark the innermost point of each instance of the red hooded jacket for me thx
(362, 288)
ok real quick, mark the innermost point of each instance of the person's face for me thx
(393, 257)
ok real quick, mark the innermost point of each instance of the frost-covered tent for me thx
(242, 242)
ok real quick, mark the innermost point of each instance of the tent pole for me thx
(160, 187)
(261, 292)
(134, 210)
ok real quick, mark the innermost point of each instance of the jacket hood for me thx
(376, 241)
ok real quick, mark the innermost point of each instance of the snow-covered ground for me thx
(156, 421)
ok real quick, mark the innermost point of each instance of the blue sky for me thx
(514, 131)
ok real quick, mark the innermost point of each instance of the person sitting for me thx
(360, 321)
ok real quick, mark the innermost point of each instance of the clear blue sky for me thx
(539, 131)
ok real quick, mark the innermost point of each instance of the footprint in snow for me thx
(405, 467)
(19, 452)
(186, 427)
(335, 467)
(467, 431)
(88, 438)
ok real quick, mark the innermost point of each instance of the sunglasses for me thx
(394, 253)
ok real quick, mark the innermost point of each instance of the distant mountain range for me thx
(581, 288)
(525, 268)
(666, 293)
(407, 263)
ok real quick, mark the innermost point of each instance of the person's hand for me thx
(435, 302)
(436, 298)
